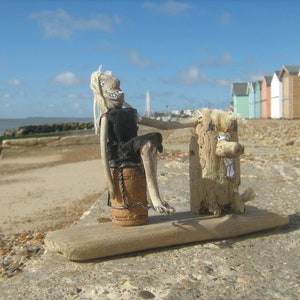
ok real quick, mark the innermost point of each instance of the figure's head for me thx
(111, 91)
(107, 91)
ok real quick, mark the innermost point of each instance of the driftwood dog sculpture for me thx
(119, 142)
(215, 165)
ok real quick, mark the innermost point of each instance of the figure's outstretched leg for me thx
(149, 156)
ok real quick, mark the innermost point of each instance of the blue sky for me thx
(186, 53)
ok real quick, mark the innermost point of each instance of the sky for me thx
(185, 53)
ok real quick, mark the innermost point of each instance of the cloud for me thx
(224, 82)
(224, 59)
(72, 96)
(137, 60)
(225, 19)
(14, 82)
(60, 24)
(76, 105)
(193, 76)
(80, 96)
(256, 76)
(169, 7)
(7, 96)
(66, 78)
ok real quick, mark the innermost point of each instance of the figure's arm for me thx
(161, 124)
(165, 125)
(103, 146)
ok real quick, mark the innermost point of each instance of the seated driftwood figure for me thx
(215, 165)
(121, 147)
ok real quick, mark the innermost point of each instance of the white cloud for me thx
(193, 76)
(225, 59)
(72, 96)
(256, 76)
(216, 61)
(136, 59)
(169, 7)
(7, 96)
(60, 24)
(77, 107)
(14, 82)
(79, 96)
(224, 82)
(225, 19)
(66, 78)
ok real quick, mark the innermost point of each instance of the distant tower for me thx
(148, 104)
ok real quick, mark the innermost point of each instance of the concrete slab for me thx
(109, 239)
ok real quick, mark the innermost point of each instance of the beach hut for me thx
(240, 98)
(251, 89)
(257, 99)
(290, 79)
(266, 97)
(276, 96)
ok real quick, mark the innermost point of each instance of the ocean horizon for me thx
(10, 123)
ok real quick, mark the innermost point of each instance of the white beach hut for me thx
(276, 96)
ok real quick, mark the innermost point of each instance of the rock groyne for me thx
(36, 138)
(47, 128)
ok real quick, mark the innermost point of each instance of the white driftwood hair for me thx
(100, 106)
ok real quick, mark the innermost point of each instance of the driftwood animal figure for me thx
(215, 165)
(120, 145)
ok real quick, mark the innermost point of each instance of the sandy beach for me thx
(48, 191)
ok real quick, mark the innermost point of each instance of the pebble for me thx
(146, 295)
(18, 250)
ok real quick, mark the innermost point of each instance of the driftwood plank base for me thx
(108, 239)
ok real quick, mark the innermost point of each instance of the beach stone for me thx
(146, 295)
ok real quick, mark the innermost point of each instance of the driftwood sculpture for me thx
(214, 182)
(122, 149)
(215, 165)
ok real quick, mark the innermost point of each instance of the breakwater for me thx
(36, 138)
(47, 128)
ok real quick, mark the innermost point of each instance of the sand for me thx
(48, 191)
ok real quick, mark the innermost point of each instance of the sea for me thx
(6, 124)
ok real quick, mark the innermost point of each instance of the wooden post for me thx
(215, 165)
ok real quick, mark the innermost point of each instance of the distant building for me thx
(290, 79)
(266, 97)
(240, 99)
(276, 96)
(257, 99)
(230, 107)
(251, 90)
